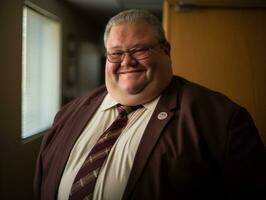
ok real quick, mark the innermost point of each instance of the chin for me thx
(133, 87)
(132, 90)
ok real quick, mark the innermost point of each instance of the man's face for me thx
(135, 81)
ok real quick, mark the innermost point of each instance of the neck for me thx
(147, 95)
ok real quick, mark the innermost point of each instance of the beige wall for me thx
(224, 50)
(17, 158)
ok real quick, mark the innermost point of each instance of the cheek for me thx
(110, 68)
(147, 64)
(151, 67)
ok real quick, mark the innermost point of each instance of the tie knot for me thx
(125, 110)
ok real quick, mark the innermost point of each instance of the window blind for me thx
(40, 72)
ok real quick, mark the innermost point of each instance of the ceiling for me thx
(104, 9)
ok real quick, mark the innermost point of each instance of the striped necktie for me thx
(86, 177)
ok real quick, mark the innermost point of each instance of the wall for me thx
(224, 50)
(17, 157)
(79, 30)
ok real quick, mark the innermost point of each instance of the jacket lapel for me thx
(73, 131)
(160, 117)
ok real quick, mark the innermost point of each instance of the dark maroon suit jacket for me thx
(207, 148)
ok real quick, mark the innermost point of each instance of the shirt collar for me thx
(109, 103)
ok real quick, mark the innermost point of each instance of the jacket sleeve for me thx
(48, 136)
(245, 159)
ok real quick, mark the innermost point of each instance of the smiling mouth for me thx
(130, 71)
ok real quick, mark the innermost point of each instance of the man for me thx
(180, 141)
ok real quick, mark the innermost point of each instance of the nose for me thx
(128, 60)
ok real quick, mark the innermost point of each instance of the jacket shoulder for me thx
(196, 95)
(71, 107)
(69, 110)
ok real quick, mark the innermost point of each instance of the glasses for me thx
(139, 53)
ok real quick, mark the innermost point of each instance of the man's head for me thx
(138, 64)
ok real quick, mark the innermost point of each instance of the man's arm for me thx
(245, 159)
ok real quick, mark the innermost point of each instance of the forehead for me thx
(130, 34)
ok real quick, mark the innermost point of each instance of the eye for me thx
(139, 51)
(116, 53)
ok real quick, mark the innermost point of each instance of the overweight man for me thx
(147, 134)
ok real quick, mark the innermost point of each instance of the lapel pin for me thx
(162, 115)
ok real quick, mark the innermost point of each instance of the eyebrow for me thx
(133, 47)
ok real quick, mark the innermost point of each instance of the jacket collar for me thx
(87, 106)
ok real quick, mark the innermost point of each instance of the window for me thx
(40, 71)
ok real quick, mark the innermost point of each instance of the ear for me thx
(167, 49)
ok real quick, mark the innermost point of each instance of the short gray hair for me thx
(135, 15)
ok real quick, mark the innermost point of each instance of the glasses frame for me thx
(131, 51)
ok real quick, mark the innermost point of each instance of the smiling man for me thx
(147, 134)
(139, 64)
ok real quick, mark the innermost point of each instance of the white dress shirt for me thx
(116, 169)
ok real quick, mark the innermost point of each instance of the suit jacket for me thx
(207, 147)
